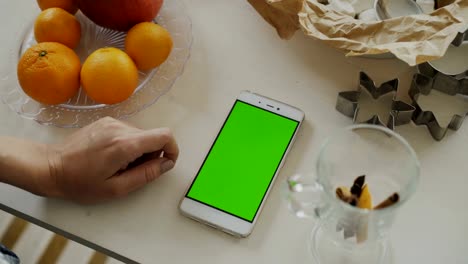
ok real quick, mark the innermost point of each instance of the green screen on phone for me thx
(243, 160)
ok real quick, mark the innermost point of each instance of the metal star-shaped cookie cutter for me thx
(423, 84)
(399, 114)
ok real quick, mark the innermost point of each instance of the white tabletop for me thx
(234, 50)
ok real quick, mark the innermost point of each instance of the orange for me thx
(70, 6)
(57, 25)
(49, 73)
(365, 200)
(109, 76)
(148, 44)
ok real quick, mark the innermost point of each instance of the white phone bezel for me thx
(224, 221)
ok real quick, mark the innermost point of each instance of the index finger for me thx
(159, 139)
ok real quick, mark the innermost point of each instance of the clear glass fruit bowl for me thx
(81, 110)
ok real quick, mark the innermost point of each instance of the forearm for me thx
(25, 164)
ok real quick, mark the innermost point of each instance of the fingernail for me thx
(167, 165)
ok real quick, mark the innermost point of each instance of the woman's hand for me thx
(108, 159)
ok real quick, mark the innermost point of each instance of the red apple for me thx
(120, 14)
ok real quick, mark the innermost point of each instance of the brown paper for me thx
(413, 39)
(281, 14)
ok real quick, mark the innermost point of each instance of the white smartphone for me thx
(232, 184)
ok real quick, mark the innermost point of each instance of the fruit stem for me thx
(43, 53)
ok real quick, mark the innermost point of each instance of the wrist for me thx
(27, 165)
(51, 186)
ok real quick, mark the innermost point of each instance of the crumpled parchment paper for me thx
(413, 39)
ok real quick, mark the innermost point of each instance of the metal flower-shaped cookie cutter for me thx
(399, 114)
(423, 83)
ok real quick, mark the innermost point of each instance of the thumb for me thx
(137, 177)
